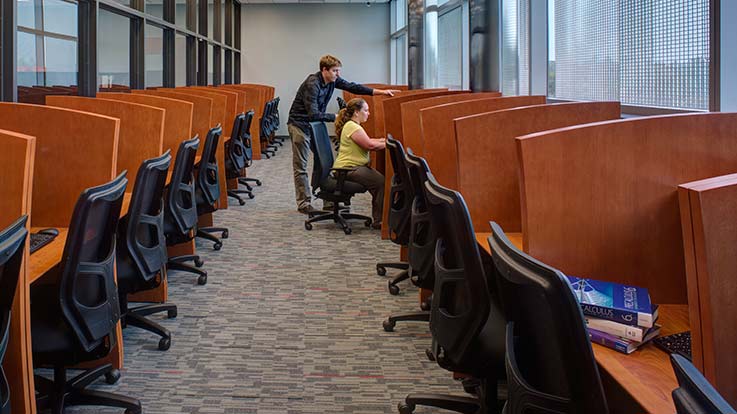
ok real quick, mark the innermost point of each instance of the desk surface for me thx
(646, 374)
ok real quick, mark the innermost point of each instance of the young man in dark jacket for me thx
(309, 105)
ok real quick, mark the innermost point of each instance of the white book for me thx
(635, 333)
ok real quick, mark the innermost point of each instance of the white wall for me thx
(283, 43)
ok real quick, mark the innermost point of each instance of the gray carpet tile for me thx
(289, 321)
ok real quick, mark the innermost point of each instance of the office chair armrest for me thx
(340, 175)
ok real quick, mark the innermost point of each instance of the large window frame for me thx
(398, 42)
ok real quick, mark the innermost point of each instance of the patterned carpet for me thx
(289, 321)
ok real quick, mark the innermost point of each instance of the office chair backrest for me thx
(246, 138)
(12, 243)
(207, 174)
(401, 194)
(461, 299)
(236, 149)
(180, 199)
(341, 102)
(144, 231)
(324, 157)
(550, 364)
(88, 295)
(694, 394)
(422, 234)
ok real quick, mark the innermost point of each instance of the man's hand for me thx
(388, 92)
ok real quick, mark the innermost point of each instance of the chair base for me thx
(233, 194)
(60, 393)
(175, 263)
(204, 232)
(454, 403)
(246, 180)
(392, 320)
(392, 285)
(338, 216)
(382, 266)
(137, 317)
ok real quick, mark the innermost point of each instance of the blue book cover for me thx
(625, 346)
(620, 303)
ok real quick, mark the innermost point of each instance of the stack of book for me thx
(618, 316)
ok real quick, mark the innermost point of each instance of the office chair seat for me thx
(330, 184)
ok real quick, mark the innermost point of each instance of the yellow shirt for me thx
(350, 154)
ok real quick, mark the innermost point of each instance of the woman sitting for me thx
(355, 145)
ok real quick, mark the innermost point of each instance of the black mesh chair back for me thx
(265, 121)
(88, 295)
(141, 238)
(276, 111)
(246, 138)
(400, 195)
(12, 242)
(461, 297)
(550, 364)
(422, 235)
(324, 157)
(207, 183)
(694, 394)
(180, 215)
(341, 102)
(235, 149)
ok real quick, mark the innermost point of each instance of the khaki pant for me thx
(374, 183)
(300, 155)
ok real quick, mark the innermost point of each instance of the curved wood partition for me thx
(438, 133)
(487, 167)
(410, 111)
(141, 128)
(708, 210)
(177, 118)
(16, 182)
(74, 150)
(201, 110)
(600, 200)
(231, 104)
(251, 102)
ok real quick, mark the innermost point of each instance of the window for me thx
(154, 59)
(210, 64)
(515, 47)
(211, 18)
(113, 46)
(155, 8)
(641, 53)
(180, 60)
(450, 48)
(398, 15)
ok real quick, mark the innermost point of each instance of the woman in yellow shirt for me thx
(355, 145)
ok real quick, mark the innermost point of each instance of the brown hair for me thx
(329, 61)
(345, 114)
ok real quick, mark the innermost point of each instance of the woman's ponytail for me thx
(346, 114)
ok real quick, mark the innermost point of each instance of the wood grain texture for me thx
(16, 187)
(487, 167)
(710, 209)
(177, 118)
(141, 128)
(201, 109)
(74, 150)
(600, 200)
(231, 105)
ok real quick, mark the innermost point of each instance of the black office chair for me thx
(467, 325)
(329, 188)
(248, 154)
(421, 243)
(73, 317)
(12, 242)
(274, 122)
(401, 196)
(341, 102)
(550, 364)
(265, 130)
(180, 212)
(141, 253)
(235, 160)
(694, 394)
(207, 187)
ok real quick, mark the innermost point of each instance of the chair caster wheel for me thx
(112, 376)
(393, 289)
(171, 314)
(347, 230)
(405, 408)
(258, 183)
(202, 280)
(380, 270)
(308, 226)
(198, 262)
(225, 234)
(251, 196)
(430, 356)
(389, 325)
(129, 411)
(164, 344)
(241, 202)
(367, 223)
(217, 246)
(425, 305)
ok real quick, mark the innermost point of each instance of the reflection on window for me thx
(155, 8)
(113, 48)
(180, 60)
(61, 62)
(154, 60)
(60, 17)
(27, 62)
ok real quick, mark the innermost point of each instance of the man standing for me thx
(309, 105)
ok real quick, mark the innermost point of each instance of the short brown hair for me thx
(329, 61)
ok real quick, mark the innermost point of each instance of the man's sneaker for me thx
(308, 209)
